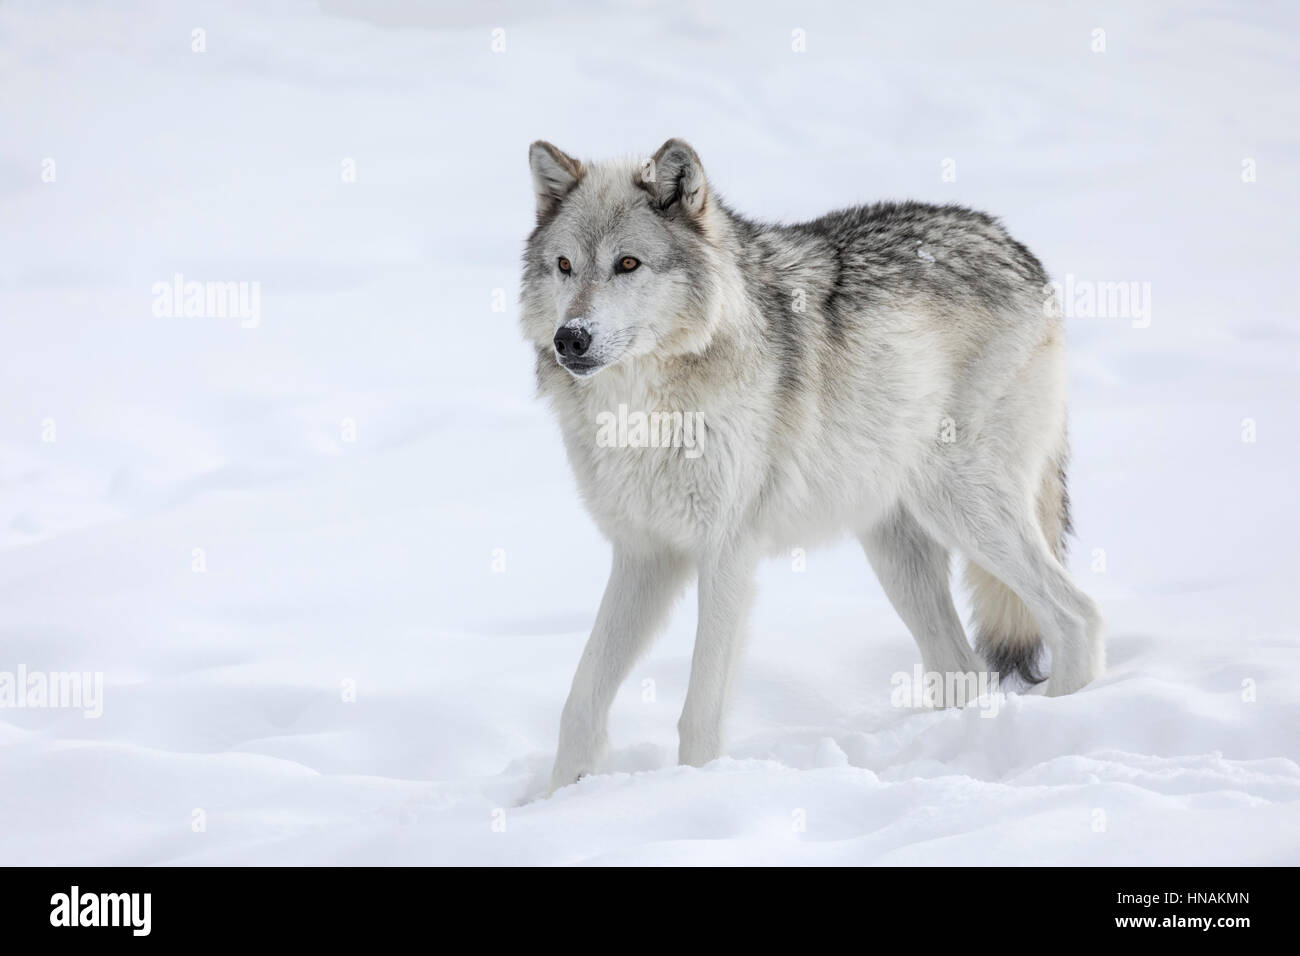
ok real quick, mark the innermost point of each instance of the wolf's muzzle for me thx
(572, 343)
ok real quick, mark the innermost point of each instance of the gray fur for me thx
(889, 371)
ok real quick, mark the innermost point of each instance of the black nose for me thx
(572, 341)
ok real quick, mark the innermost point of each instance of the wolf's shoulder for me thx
(889, 219)
(900, 234)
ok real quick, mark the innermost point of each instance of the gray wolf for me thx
(890, 371)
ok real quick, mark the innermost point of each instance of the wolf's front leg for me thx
(726, 589)
(641, 589)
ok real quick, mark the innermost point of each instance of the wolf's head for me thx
(623, 262)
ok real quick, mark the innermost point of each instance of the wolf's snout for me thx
(572, 342)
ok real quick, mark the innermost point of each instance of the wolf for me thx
(891, 371)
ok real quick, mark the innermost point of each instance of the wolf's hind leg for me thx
(913, 570)
(997, 529)
(1006, 634)
(637, 599)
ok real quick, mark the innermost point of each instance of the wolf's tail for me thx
(1005, 633)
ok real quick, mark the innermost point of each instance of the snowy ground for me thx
(371, 568)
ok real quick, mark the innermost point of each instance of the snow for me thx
(370, 663)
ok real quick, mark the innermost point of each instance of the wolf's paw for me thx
(695, 750)
(561, 779)
(1064, 682)
(1060, 686)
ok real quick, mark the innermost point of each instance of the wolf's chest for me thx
(669, 475)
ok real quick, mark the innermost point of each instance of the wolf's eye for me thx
(565, 265)
(626, 264)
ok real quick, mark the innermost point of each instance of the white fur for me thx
(856, 449)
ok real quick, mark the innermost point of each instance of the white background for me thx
(371, 561)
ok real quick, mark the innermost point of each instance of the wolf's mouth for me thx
(579, 366)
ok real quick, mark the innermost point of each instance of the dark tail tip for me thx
(1007, 659)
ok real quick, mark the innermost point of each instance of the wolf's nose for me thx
(572, 341)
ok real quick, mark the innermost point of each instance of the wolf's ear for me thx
(675, 175)
(554, 174)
